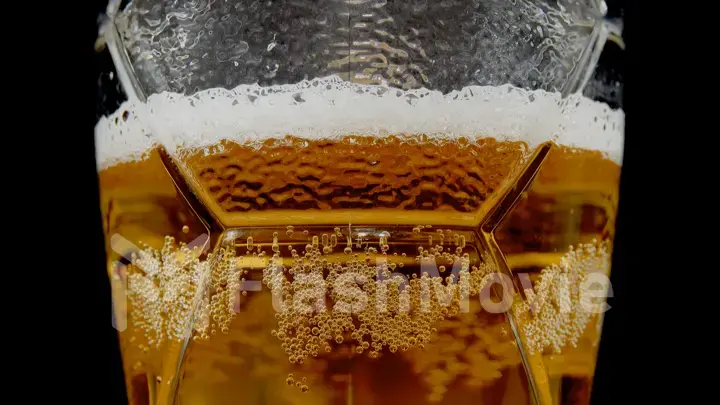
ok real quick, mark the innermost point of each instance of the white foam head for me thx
(331, 107)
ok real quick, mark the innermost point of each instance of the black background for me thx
(61, 348)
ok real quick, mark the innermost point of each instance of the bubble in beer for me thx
(185, 229)
(304, 335)
(249, 243)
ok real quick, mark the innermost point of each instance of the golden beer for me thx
(342, 266)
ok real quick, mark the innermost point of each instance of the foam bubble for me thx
(331, 107)
(122, 136)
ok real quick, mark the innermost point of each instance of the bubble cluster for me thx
(357, 299)
(367, 300)
(476, 349)
(172, 292)
(556, 312)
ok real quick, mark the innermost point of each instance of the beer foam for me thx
(331, 107)
(122, 137)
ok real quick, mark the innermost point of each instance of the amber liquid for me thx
(497, 206)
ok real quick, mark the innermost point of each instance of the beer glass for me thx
(370, 202)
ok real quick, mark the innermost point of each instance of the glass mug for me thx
(358, 201)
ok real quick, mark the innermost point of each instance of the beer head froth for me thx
(331, 107)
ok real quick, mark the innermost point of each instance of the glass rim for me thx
(603, 30)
